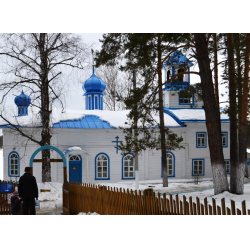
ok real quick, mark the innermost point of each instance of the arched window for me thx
(74, 158)
(102, 167)
(128, 167)
(170, 164)
(180, 77)
(14, 164)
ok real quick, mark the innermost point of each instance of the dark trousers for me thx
(29, 203)
(14, 213)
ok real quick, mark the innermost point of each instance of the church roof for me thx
(177, 58)
(22, 100)
(94, 84)
(87, 119)
(193, 114)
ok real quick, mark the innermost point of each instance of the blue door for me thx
(75, 169)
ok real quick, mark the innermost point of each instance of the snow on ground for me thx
(50, 200)
(53, 199)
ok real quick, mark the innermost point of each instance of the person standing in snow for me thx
(15, 203)
(28, 191)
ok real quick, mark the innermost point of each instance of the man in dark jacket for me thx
(28, 191)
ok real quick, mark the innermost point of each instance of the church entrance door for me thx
(75, 168)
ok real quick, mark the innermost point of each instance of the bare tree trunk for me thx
(243, 123)
(212, 116)
(216, 85)
(45, 112)
(161, 115)
(234, 158)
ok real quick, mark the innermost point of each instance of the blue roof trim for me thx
(171, 114)
(222, 120)
(89, 121)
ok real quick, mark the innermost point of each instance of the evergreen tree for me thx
(145, 53)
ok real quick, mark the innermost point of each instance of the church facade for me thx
(89, 138)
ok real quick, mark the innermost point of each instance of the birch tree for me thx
(37, 62)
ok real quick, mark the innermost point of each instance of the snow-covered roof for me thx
(84, 119)
(194, 114)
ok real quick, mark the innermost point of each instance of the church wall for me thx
(95, 141)
(174, 101)
(192, 152)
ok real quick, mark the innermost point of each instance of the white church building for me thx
(90, 137)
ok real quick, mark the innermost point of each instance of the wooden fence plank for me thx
(206, 206)
(191, 205)
(214, 206)
(244, 210)
(210, 209)
(198, 206)
(218, 210)
(233, 207)
(177, 204)
(223, 206)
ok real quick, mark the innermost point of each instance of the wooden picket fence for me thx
(5, 208)
(113, 201)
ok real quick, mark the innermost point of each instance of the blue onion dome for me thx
(94, 84)
(22, 100)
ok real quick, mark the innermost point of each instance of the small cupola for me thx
(93, 88)
(176, 64)
(22, 101)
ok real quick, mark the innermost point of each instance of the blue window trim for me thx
(225, 132)
(9, 164)
(186, 103)
(96, 178)
(173, 165)
(229, 165)
(173, 71)
(128, 178)
(203, 167)
(80, 163)
(197, 139)
(89, 102)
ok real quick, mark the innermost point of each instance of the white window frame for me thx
(198, 165)
(169, 158)
(102, 164)
(128, 169)
(200, 139)
(14, 164)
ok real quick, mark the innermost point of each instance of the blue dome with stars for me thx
(22, 100)
(94, 84)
